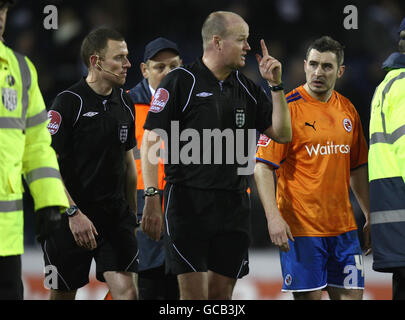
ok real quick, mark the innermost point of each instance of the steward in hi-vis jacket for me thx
(25, 149)
(387, 170)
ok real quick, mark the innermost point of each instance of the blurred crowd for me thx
(286, 25)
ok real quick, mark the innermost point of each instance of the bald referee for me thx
(206, 204)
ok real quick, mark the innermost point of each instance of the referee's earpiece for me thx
(101, 68)
(98, 64)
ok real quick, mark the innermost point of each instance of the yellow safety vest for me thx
(24, 149)
(386, 165)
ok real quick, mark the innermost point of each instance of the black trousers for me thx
(398, 284)
(11, 286)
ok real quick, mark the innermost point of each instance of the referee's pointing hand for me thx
(269, 67)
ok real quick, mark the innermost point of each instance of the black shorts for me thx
(206, 230)
(116, 250)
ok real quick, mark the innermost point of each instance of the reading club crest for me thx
(347, 124)
(288, 279)
(240, 117)
(9, 98)
(123, 133)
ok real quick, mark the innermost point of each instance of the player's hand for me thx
(152, 218)
(367, 238)
(269, 67)
(47, 222)
(83, 231)
(279, 232)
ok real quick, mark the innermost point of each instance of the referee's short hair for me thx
(215, 24)
(96, 42)
(326, 43)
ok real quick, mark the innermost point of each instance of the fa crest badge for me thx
(240, 117)
(123, 133)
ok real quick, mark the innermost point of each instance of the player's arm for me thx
(152, 217)
(131, 180)
(279, 230)
(360, 188)
(270, 70)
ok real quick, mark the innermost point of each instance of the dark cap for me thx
(402, 26)
(157, 45)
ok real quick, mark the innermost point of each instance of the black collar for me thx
(91, 92)
(209, 76)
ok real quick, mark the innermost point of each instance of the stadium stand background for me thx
(286, 25)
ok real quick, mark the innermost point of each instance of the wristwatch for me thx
(150, 192)
(276, 88)
(71, 211)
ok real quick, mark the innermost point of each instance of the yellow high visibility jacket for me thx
(24, 149)
(387, 167)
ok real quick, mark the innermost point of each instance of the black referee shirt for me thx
(189, 103)
(91, 135)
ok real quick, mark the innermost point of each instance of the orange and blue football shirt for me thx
(313, 170)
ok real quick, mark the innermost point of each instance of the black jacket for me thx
(91, 140)
(210, 126)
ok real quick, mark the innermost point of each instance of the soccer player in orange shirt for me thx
(312, 221)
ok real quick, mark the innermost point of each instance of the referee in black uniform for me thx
(93, 132)
(206, 204)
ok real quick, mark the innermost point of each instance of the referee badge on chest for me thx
(9, 98)
(240, 117)
(123, 133)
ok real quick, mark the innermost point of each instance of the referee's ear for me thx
(217, 41)
(93, 61)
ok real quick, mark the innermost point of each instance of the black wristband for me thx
(276, 88)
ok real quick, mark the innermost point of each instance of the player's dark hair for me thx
(96, 41)
(325, 44)
(401, 43)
